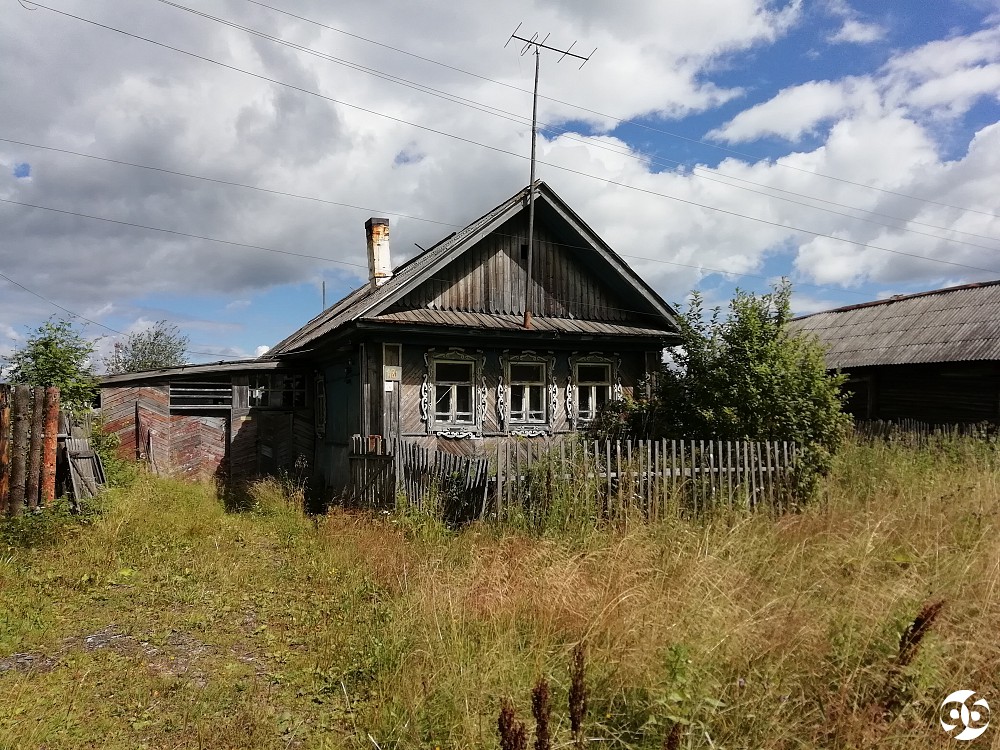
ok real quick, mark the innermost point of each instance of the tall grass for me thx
(269, 628)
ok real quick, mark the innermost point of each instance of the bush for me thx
(745, 377)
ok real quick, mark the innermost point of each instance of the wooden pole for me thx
(4, 448)
(18, 465)
(33, 478)
(49, 445)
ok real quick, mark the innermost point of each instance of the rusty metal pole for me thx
(34, 476)
(22, 417)
(50, 444)
(4, 448)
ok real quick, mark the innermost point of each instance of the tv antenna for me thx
(534, 44)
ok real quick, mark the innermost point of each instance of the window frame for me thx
(451, 427)
(575, 390)
(546, 387)
(267, 383)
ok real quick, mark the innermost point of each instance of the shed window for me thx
(527, 393)
(187, 395)
(278, 391)
(593, 389)
(453, 392)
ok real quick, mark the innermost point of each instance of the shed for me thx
(932, 356)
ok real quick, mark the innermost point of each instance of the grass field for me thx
(163, 621)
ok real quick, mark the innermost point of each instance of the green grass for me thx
(271, 629)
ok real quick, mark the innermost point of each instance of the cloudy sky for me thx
(212, 162)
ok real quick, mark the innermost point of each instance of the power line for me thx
(230, 183)
(510, 153)
(638, 155)
(359, 265)
(94, 322)
(619, 120)
(180, 234)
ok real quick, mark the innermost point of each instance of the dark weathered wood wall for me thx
(958, 392)
(490, 278)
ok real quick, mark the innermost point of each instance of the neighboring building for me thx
(932, 357)
(436, 351)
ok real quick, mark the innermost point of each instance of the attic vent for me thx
(201, 396)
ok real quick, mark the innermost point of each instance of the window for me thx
(527, 393)
(593, 388)
(453, 392)
(277, 390)
(188, 395)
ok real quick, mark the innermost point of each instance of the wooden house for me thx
(440, 350)
(933, 357)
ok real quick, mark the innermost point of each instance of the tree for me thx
(160, 345)
(57, 354)
(745, 377)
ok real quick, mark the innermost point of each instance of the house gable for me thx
(577, 277)
(491, 276)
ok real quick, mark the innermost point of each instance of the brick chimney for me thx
(379, 265)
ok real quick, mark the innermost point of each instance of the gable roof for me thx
(366, 303)
(955, 324)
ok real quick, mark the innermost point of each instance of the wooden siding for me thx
(199, 445)
(118, 407)
(490, 278)
(938, 394)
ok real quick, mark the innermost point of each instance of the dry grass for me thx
(270, 630)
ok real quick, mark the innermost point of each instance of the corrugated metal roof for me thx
(956, 324)
(366, 301)
(506, 322)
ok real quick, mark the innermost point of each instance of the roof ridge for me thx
(901, 298)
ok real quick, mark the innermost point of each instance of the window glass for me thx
(526, 373)
(592, 374)
(453, 372)
(453, 393)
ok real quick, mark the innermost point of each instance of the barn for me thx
(933, 357)
(462, 345)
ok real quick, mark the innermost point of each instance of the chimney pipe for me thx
(379, 265)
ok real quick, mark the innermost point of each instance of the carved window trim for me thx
(478, 395)
(530, 428)
(573, 387)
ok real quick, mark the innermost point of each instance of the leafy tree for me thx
(161, 345)
(57, 354)
(743, 377)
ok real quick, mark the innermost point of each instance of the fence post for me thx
(34, 475)
(18, 467)
(4, 448)
(49, 444)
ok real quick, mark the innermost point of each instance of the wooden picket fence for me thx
(386, 472)
(585, 480)
(916, 433)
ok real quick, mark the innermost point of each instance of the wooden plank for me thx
(19, 459)
(5, 400)
(32, 482)
(49, 445)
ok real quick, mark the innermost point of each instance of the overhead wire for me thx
(619, 120)
(606, 181)
(84, 318)
(638, 155)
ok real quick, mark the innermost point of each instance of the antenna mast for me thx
(538, 46)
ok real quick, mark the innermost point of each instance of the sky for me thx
(211, 163)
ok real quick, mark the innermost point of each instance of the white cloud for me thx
(797, 110)
(261, 350)
(857, 32)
